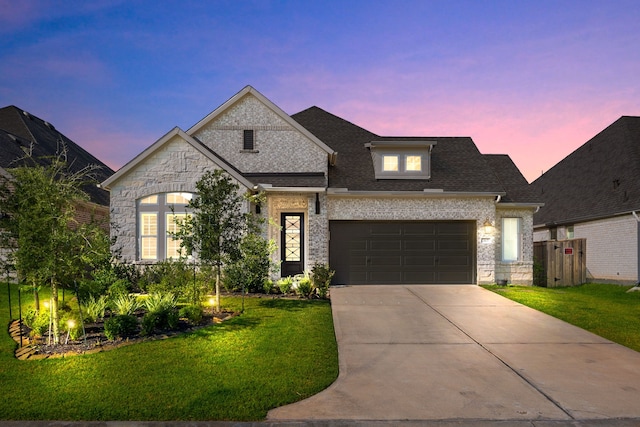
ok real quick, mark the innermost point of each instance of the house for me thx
(25, 138)
(594, 194)
(378, 209)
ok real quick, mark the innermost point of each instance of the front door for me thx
(292, 244)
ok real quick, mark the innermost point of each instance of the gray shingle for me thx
(599, 179)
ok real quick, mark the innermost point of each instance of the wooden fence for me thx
(560, 263)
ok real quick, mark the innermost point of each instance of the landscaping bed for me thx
(95, 339)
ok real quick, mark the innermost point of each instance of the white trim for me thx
(271, 189)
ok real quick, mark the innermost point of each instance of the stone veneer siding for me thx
(278, 146)
(424, 208)
(316, 226)
(176, 167)
(519, 272)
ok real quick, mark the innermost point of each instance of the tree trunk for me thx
(54, 311)
(36, 298)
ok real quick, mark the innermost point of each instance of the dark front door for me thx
(402, 252)
(292, 244)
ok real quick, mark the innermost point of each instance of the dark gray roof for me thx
(456, 163)
(514, 183)
(22, 133)
(599, 179)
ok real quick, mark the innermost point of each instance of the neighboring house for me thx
(378, 209)
(25, 137)
(594, 193)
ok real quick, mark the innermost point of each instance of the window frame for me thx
(511, 240)
(162, 211)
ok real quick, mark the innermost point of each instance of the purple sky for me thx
(532, 79)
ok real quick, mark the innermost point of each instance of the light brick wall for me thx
(423, 208)
(520, 272)
(612, 248)
(316, 226)
(278, 146)
(176, 167)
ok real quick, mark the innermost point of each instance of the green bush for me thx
(321, 276)
(285, 284)
(121, 326)
(254, 265)
(305, 287)
(193, 313)
(38, 323)
(161, 313)
(70, 323)
(268, 286)
(94, 309)
(124, 304)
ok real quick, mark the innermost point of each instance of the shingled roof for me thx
(600, 179)
(456, 163)
(22, 133)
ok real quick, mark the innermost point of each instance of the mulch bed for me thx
(95, 340)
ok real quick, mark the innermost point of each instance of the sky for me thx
(531, 79)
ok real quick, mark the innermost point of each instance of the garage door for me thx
(395, 252)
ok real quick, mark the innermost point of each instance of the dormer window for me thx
(401, 158)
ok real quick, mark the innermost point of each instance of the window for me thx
(148, 235)
(511, 239)
(249, 140)
(390, 163)
(157, 215)
(413, 163)
(570, 233)
(401, 158)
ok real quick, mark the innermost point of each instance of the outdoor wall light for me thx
(488, 226)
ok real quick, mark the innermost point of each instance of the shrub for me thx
(321, 276)
(254, 265)
(95, 308)
(161, 313)
(120, 326)
(193, 313)
(125, 304)
(118, 288)
(305, 287)
(285, 284)
(69, 323)
(38, 323)
(267, 286)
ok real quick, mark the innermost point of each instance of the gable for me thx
(280, 144)
(175, 159)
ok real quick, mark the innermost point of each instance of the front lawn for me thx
(279, 351)
(606, 310)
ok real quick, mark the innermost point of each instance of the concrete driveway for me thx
(465, 353)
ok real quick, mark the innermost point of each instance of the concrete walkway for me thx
(462, 354)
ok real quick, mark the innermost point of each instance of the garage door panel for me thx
(377, 262)
(453, 261)
(385, 229)
(426, 261)
(419, 229)
(420, 245)
(385, 245)
(376, 252)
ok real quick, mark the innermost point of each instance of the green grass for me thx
(277, 352)
(606, 310)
